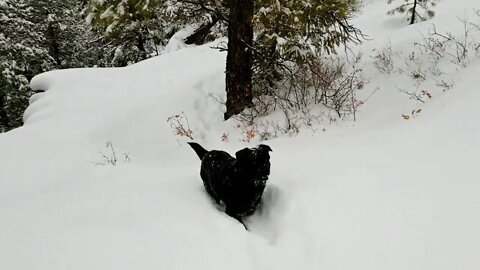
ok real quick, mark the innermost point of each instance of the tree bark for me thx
(414, 12)
(239, 57)
(52, 36)
(199, 36)
(141, 45)
(3, 115)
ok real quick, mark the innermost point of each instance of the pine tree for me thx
(134, 28)
(239, 57)
(64, 31)
(21, 57)
(37, 36)
(288, 33)
(413, 9)
(210, 18)
(296, 32)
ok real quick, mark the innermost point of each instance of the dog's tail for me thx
(201, 152)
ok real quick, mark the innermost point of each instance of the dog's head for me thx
(256, 161)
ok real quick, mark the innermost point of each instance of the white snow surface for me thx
(379, 193)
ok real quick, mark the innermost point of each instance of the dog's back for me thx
(216, 166)
(216, 171)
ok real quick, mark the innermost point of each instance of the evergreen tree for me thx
(37, 36)
(209, 16)
(295, 32)
(415, 10)
(289, 34)
(134, 28)
(292, 35)
(65, 33)
(239, 57)
(21, 57)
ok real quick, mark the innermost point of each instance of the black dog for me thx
(239, 182)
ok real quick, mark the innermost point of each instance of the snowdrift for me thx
(380, 193)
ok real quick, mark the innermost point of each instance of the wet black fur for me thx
(238, 182)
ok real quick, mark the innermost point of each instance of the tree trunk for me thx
(414, 12)
(141, 45)
(199, 36)
(4, 121)
(52, 36)
(239, 57)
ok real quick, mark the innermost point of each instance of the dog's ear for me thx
(243, 154)
(265, 147)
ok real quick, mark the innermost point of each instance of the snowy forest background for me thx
(289, 47)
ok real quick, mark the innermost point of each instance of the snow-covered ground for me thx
(379, 193)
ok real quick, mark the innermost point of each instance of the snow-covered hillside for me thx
(379, 193)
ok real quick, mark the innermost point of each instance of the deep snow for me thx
(380, 193)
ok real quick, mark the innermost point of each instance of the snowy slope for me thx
(380, 193)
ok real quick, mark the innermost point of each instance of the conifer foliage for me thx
(267, 39)
(37, 36)
(290, 34)
(415, 10)
(134, 28)
(21, 57)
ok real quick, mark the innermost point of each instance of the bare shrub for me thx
(330, 83)
(109, 156)
(383, 60)
(179, 123)
(445, 85)
(436, 48)
(415, 67)
(458, 49)
(417, 94)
